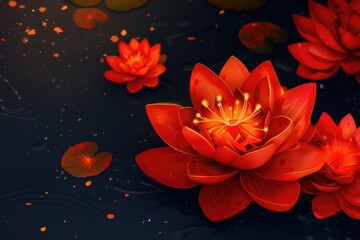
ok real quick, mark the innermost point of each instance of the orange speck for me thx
(123, 32)
(30, 31)
(110, 179)
(102, 60)
(42, 229)
(221, 12)
(46, 193)
(126, 195)
(42, 9)
(56, 55)
(58, 30)
(114, 38)
(79, 119)
(64, 7)
(191, 38)
(110, 216)
(44, 24)
(22, 6)
(105, 54)
(28, 204)
(88, 183)
(12, 3)
(52, 43)
(3, 39)
(152, 28)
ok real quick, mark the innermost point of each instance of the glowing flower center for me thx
(134, 59)
(239, 121)
(342, 154)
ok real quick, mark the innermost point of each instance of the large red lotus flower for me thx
(333, 40)
(138, 65)
(337, 185)
(239, 140)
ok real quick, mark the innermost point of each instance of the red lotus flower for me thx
(337, 185)
(81, 161)
(239, 140)
(333, 40)
(138, 65)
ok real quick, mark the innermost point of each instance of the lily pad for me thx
(124, 5)
(86, 3)
(88, 17)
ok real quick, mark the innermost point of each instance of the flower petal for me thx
(187, 116)
(351, 210)
(157, 70)
(273, 195)
(323, 53)
(133, 44)
(296, 104)
(154, 55)
(134, 86)
(149, 82)
(118, 77)
(144, 46)
(225, 155)
(351, 192)
(326, 128)
(113, 62)
(301, 53)
(165, 120)
(308, 187)
(280, 128)
(340, 10)
(254, 159)
(325, 205)
(124, 49)
(198, 142)
(312, 74)
(347, 126)
(321, 14)
(223, 200)
(264, 70)
(209, 172)
(305, 27)
(351, 65)
(234, 73)
(293, 164)
(166, 166)
(206, 85)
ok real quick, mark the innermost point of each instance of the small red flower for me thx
(333, 40)
(138, 65)
(337, 185)
(239, 140)
(81, 160)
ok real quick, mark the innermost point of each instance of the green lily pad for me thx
(124, 5)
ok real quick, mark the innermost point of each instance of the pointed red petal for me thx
(162, 59)
(223, 200)
(351, 210)
(144, 47)
(326, 127)
(225, 155)
(234, 73)
(273, 195)
(323, 53)
(293, 164)
(296, 104)
(149, 82)
(125, 49)
(198, 142)
(264, 95)
(81, 161)
(327, 37)
(157, 70)
(209, 172)
(308, 187)
(118, 77)
(166, 166)
(254, 159)
(280, 128)
(301, 53)
(154, 55)
(351, 65)
(113, 62)
(308, 135)
(165, 120)
(347, 126)
(264, 70)
(134, 45)
(134, 86)
(351, 192)
(340, 10)
(321, 14)
(305, 27)
(312, 74)
(187, 116)
(206, 85)
(325, 205)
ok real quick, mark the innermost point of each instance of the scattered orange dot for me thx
(58, 30)
(22, 6)
(44, 24)
(110, 179)
(126, 195)
(114, 38)
(221, 12)
(56, 55)
(30, 31)
(152, 28)
(3, 39)
(123, 32)
(88, 183)
(42, 9)
(42, 229)
(12, 3)
(102, 60)
(52, 43)
(28, 204)
(46, 193)
(105, 54)
(110, 216)
(191, 38)
(64, 7)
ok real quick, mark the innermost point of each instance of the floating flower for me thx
(333, 40)
(87, 18)
(259, 36)
(81, 160)
(238, 5)
(138, 65)
(239, 140)
(337, 185)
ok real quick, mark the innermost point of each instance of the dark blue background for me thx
(56, 93)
